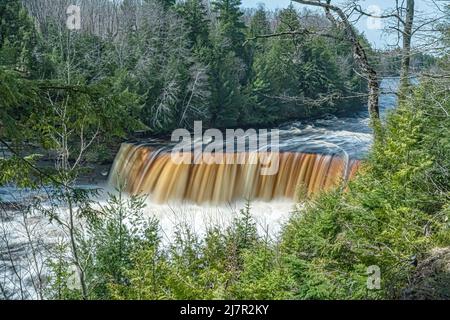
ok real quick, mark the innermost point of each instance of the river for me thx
(317, 153)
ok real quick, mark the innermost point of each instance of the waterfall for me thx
(142, 169)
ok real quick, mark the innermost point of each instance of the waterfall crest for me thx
(142, 169)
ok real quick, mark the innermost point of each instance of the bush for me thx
(391, 215)
(234, 263)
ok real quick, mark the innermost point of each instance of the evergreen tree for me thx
(229, 64)
(277, 73)
(231, 25)
(166, 4)
(17, 36)
(259, 23)
(227, 100)
(18, 92)
(195, 16)
(295, 73)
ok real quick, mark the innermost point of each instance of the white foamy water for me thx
(26, 241)
(347, 135)
(269, 216)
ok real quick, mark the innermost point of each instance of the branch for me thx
(293, 33)
(358, 9)
(31, 165)
(436, 76)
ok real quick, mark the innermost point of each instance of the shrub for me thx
(391, 215)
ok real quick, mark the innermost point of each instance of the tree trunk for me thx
(373, 100)
(406, 51)
(359, 54)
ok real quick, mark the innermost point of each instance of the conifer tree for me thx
(17, 36)
(195, 16)
(259, 24)
(231, 25)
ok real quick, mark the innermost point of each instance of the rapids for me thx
(311, 156)
(314, 155)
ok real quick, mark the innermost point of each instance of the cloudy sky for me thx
(377, 37)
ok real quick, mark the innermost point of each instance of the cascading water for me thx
(313, 156)
(142, 169)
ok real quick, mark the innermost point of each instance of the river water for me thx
(348, 137)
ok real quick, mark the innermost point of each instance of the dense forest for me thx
(69, 96)
(185, 61)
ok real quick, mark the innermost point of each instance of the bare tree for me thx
(407, 37)
(409, 25)
(403, 24)
(340, 20)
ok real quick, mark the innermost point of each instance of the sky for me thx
(371, 28)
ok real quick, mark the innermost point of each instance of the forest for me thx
(89, 89)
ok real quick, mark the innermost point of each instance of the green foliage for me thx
(231, 26)
(129, 261)
(259, 25)
(113, 234)
(165, 75)
(15, 170)
(297, 76)
(73, 99)
(174, 65)
(226, 97)
(393, 213)
(195, 16)
(19, 98)
(391, 216)
(17, 36)
(62, 284)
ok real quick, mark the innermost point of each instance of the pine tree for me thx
(195, 16)
(231, 25)
(17, 36)
(259, 24)
(166, 4)
(277, 71)
(229, 64)
(296, 72)
(17, 91)
(226, 99)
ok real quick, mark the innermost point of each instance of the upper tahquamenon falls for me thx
(314, 155)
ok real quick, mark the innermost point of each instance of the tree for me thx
(300, 74)
(259, 23)
(403, 25)
(227, 100)
(341, 21)
(195, 17)
(407, 37)
(17, 36)
(165, 3)
(227, 64)
(410, 25)
(231, 26)
(278, 70)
